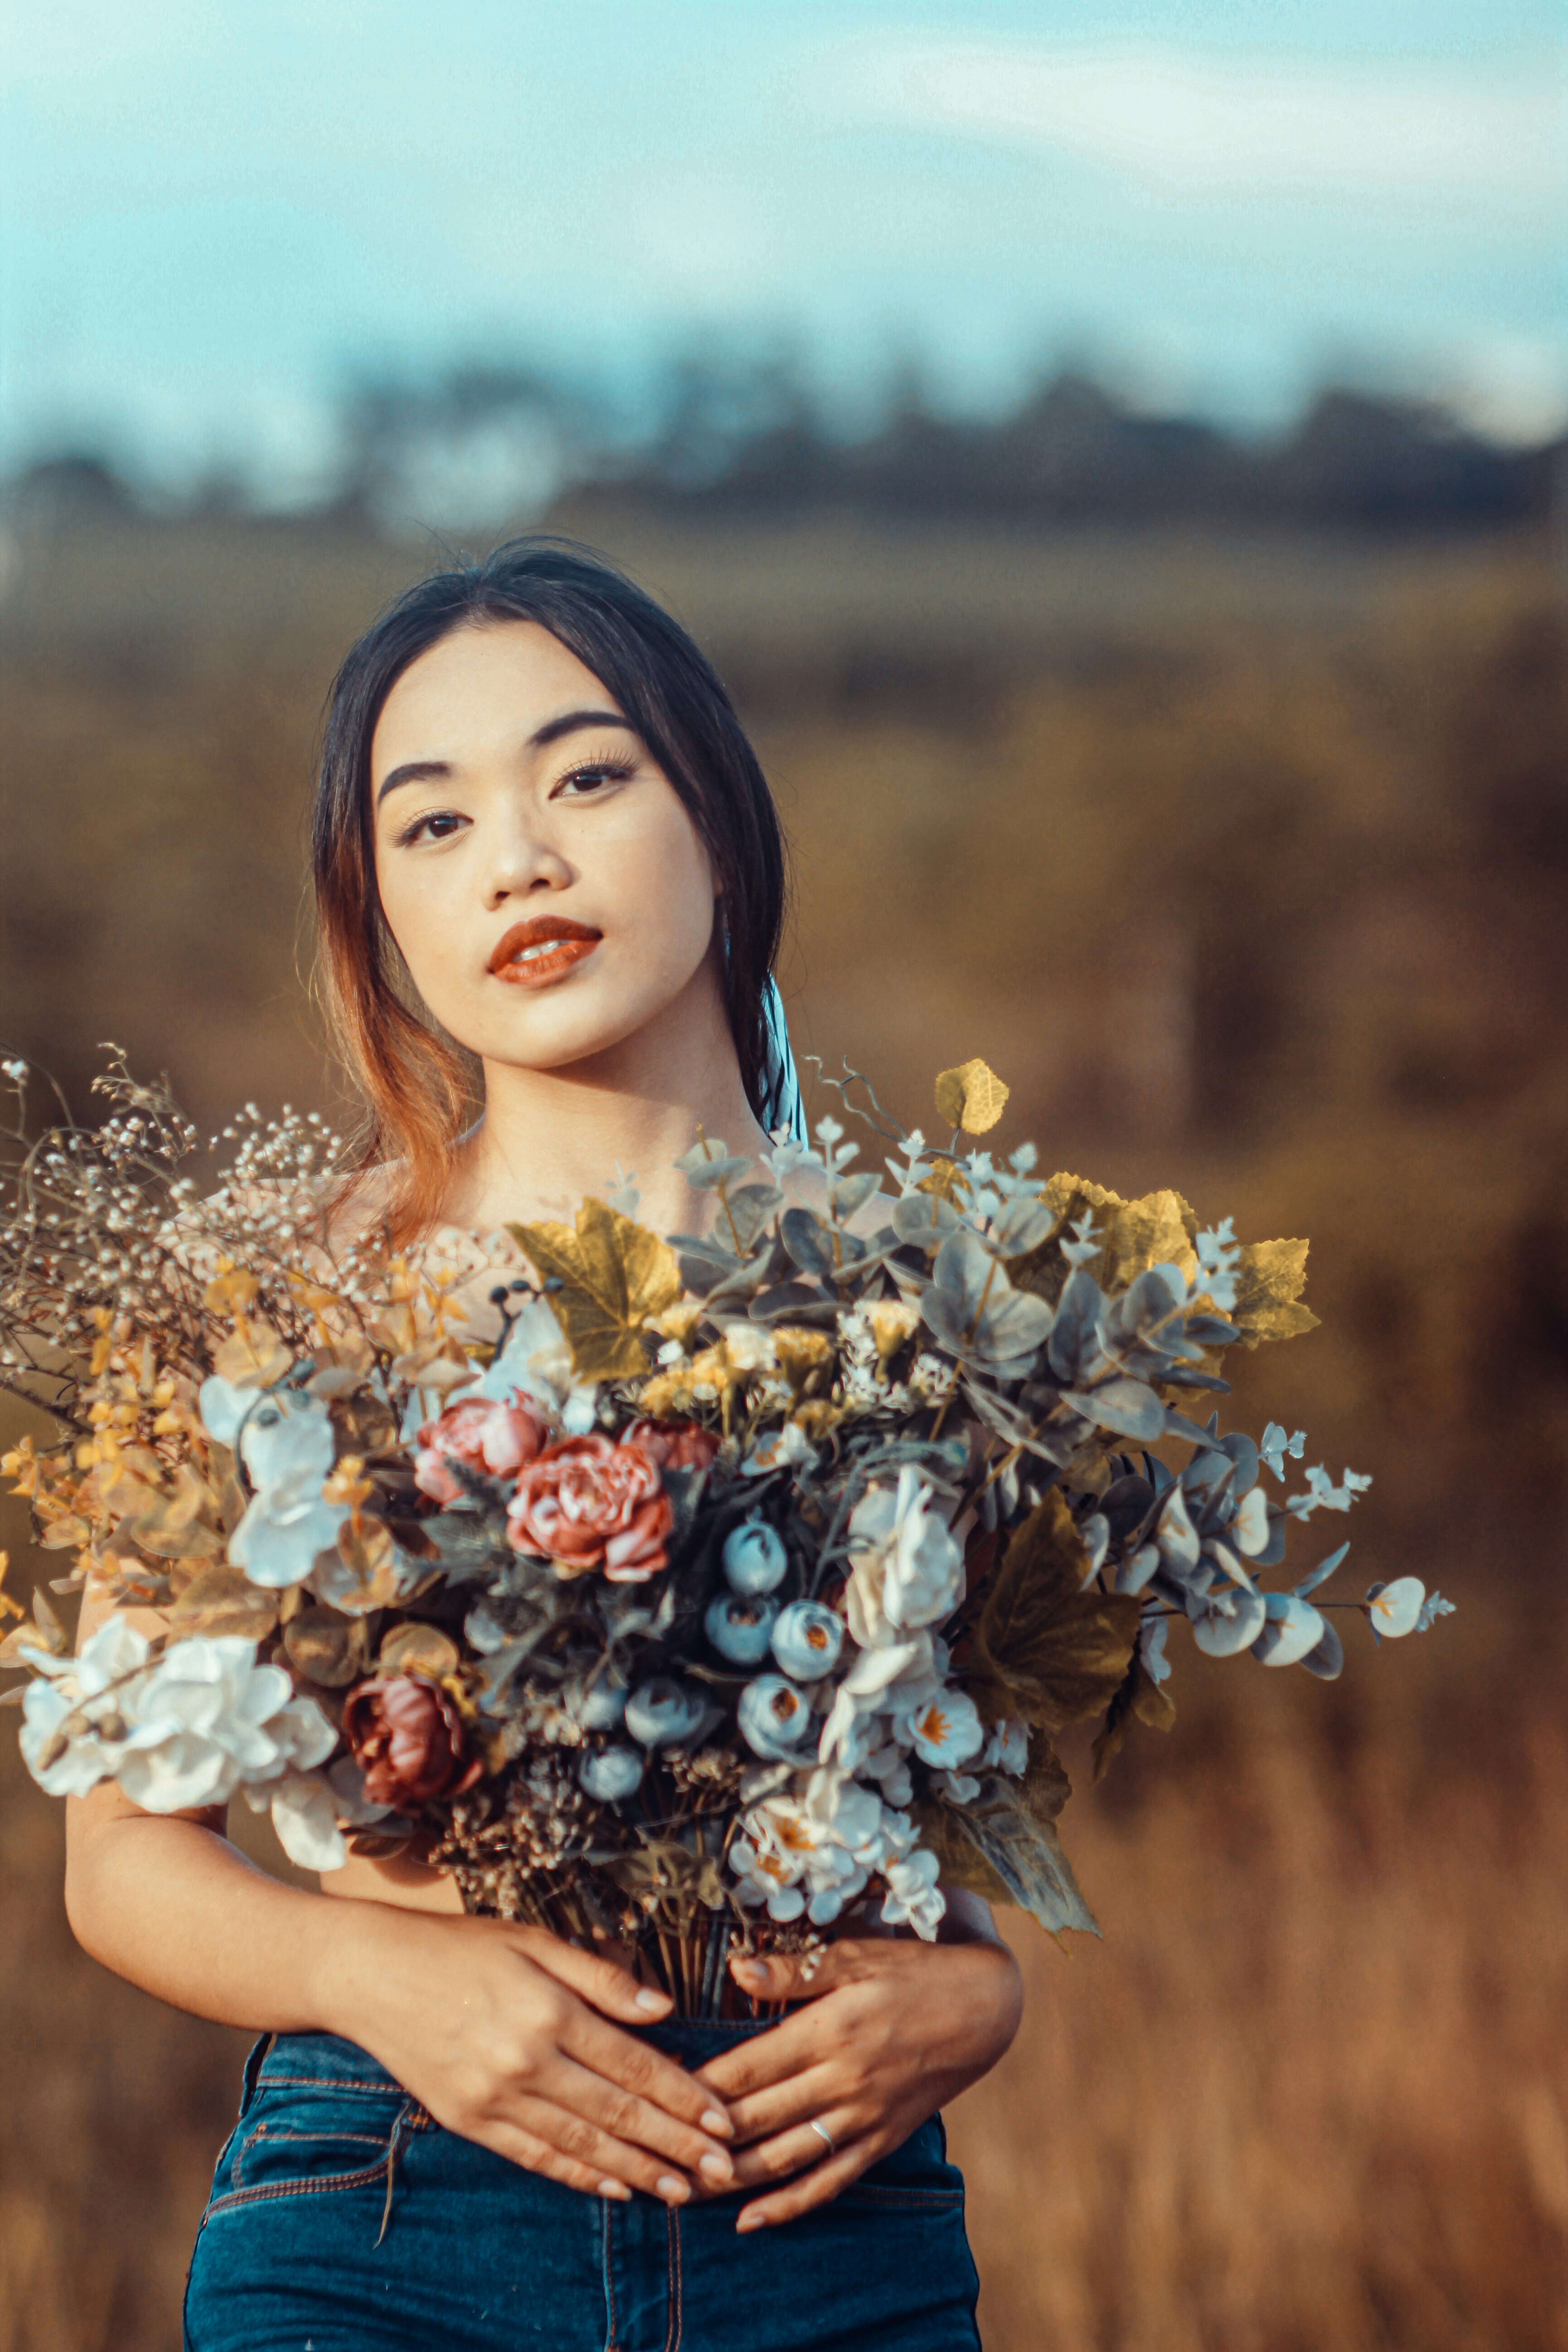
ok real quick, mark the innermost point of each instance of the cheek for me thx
(657, 890)
(416, 902)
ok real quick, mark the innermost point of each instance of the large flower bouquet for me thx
(678, 1591)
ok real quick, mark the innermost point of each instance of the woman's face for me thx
(547, 889)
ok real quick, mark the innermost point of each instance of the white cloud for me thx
(1205, 126)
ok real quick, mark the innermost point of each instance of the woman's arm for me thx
(501, 2031)
(891, 2027)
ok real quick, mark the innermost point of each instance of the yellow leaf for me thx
(614, 1275)
(1058, 1652)
(1273, 1275)
(221, 1600)
(253, 1357)
(230, 1292)
(367, 1550)
(971, 1097)
(417, 1649)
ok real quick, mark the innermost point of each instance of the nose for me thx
(523, 865)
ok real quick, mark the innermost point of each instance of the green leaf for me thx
(1060, 1653)
(614, 1274)
(1004, 1846)
(1138, 1695)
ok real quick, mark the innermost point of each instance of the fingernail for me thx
(716, 2168)
(649, 2000)
(749, 1967)
(673, 2191)
(750, 2222)
(719, 2125)
(617, 2189)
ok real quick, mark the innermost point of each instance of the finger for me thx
(612, 1989)
(536, 2155)
(792, 1975)
(761, 2114)
(785, 2049)
(573, 2136)
(639, 2067)
(785, 2153)
(636, 2122)
(816, 2187)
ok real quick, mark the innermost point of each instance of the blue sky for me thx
(211, 211)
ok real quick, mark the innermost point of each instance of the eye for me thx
(594, 776)
(435, 825)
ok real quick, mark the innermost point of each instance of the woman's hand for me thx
(502, 2032)
(891, 2029)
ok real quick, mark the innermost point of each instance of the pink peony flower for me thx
(588, 1503)
(486, 1436)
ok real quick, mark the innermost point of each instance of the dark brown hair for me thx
(417, 1084)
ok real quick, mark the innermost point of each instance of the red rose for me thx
(587, 1503)
(674, 1445)
(483, 1436)
(408, 1740)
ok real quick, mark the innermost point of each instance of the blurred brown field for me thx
(1245, 858)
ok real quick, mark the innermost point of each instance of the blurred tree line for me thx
(740, 435)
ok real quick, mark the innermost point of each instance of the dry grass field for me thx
(1246, 861)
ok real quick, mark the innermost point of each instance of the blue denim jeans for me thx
(342, 2219)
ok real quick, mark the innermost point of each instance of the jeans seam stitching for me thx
(372, 2172)
(387, 2090)
(673, 2333)
(607, 2263)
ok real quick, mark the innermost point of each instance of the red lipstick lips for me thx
(532, 954)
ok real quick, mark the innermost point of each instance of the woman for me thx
(548, 870)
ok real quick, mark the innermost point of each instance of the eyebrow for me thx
(570, 722)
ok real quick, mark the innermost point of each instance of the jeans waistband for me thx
(328, 2060)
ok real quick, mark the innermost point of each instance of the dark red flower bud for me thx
(409, 1739)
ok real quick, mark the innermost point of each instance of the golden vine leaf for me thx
(971, 1097)
(1058, 1653)
(1273, 1275)
(614, 1274)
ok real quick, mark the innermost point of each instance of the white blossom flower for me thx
(788, 1448)
(888, 1765)
(959, 1788)
(750, 1347)
(180, 1734)
(913, 1894)
(536, 1360)
(304, 1808)
(1007, 1750)
(943, 1731)
(849, 1732)
(286, 1527)
(906, 1571)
